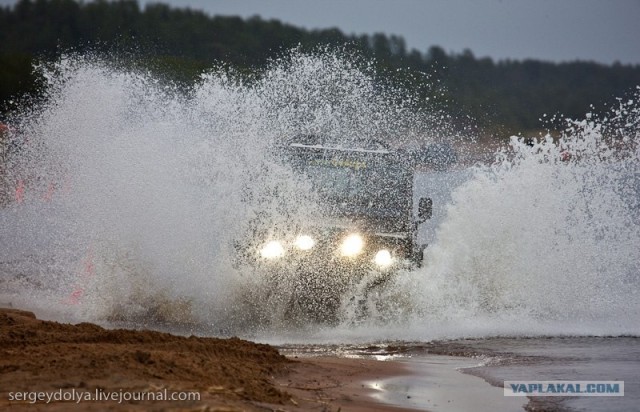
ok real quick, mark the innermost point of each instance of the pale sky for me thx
(554, 30)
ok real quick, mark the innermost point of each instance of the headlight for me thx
(304, 242)
(272, 250)
(383, 258)
(352, 245)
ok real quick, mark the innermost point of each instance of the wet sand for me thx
(228, 374)
(235, 374)
(428, 378)
(438, 383)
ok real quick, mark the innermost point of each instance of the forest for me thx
(503, 96)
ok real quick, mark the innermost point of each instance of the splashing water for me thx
(546, 241)
(134, 193)
(150, 186)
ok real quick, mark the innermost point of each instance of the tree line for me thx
(505, 95)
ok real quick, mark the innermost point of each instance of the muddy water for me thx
(469, 374)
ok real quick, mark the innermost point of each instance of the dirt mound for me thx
(228, 374)
(38, 355)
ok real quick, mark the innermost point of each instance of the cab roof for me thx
(340, 148)
(319, 142)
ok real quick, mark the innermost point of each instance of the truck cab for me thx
(366, 196)
(366, 228)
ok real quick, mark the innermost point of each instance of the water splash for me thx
(544, 241)
(135, 192)
(156, 186)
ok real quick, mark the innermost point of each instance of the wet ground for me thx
(469, 374)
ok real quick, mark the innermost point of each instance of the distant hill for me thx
(504, 96)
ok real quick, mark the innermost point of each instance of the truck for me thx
(367, 230)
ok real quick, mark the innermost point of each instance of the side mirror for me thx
(425, 209)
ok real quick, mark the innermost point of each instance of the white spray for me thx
(135, 193)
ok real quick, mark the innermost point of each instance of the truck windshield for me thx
(337, 182)
(370, 189)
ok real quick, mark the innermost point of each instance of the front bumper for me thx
(311, 282)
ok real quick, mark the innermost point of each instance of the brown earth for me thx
(229, 374)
